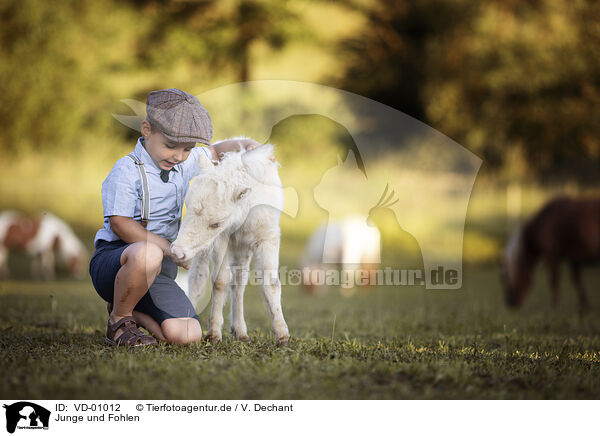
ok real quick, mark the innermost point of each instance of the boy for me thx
(132, 268)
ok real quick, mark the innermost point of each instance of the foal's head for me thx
(215, 203)
(219, 199)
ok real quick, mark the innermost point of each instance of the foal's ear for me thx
(241, 193)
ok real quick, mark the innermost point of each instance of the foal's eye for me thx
(214, 225)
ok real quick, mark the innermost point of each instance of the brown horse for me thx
(565, 229)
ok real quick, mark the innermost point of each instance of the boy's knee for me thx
(182, 331)
(146, 255)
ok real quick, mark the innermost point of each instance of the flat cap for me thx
(179, 116)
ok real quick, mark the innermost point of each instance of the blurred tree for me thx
(220, 34)
(388, 61)
(66, 65)
(496, 76)
(525, 76)
(55, 61)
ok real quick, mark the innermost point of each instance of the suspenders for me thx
(145, 190)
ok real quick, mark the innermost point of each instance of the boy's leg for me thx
(141, 263)
(166, 311)
(149, 324)
(181, 331)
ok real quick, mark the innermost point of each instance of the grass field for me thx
(391, 343)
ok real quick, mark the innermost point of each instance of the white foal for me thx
(233, 213)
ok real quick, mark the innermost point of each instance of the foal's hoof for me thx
(243, 336)
(213, 339)
(283, 341)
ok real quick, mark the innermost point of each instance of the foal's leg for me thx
(220, 282)
(267, 263)
(583, 300)
(241, 271)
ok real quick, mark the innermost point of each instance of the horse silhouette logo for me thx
(26, 415)
(429, 177)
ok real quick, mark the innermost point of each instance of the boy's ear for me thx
(146, 128)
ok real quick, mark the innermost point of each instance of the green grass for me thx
(401, 343)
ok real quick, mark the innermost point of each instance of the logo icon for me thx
(429, 176)
(26, 415)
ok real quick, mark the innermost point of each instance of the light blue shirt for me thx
(122, 192)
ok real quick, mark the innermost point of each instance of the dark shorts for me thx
(164, 300)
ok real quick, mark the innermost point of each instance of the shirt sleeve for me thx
(193, 164)
(206, 152)
(119, 191)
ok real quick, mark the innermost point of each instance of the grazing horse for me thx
(565, 229)
(41, 238)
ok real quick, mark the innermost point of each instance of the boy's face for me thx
(165, 153)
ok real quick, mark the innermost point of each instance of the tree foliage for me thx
(504, 78)
(496, 76)
(66, 65)
(57, 58)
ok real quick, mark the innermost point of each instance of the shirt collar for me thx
(142, 154)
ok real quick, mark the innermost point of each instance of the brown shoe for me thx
(131, 336)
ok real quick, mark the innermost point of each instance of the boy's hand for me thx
(252, 145)
(219, 149)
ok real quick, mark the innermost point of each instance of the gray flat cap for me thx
(179, 116)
